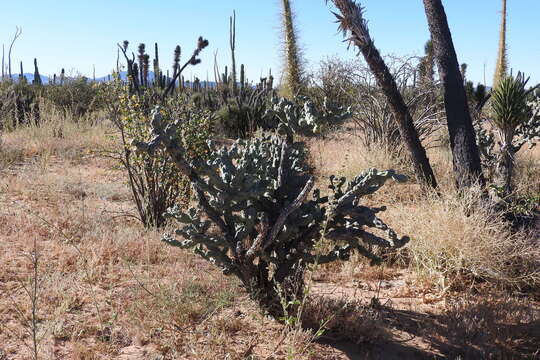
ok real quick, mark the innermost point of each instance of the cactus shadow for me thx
(469, 329)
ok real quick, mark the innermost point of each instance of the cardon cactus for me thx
(259, 218)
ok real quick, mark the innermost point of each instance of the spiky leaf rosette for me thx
(509, 102)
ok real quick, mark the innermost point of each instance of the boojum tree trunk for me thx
(466, 157)
(352, 20)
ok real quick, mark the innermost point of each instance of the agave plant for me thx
(513, 120)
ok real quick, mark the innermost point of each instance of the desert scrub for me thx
(75, 96)
(155, 182)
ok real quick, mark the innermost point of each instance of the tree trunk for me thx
(352, 20)
(466, 158)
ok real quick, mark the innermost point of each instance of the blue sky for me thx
(78, 34)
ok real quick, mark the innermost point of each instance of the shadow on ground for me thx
(465, 329)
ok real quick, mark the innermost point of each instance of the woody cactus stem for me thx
(232, 41)
(258, 217)
(501, 68)
(351, 20)
(293, 62)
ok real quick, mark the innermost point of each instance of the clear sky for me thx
(81, 34)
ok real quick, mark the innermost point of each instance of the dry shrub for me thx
(456, 237)
(453, 237)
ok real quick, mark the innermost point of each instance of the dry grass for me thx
(111, 290)
(458, 238)
(454, 237)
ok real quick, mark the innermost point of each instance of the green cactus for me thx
(242, 79)
(145, 69)
(258, 217)
(232, 42)
(302, 117)
(141, 50)
(176, 62)
(155, 62)
(22, 78)
(37, 77)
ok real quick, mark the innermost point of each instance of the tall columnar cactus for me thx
(22, 78)
(293, 73)
(156, 65)
(232, 42)
(501, 68)
(145, 69)
(176, 61)
(37, 76)
(242, 79)
(258, 217)
(141, 50)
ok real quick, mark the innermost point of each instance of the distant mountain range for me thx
(30, 78)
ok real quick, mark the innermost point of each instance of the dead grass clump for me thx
(456, 238)
(345, 155)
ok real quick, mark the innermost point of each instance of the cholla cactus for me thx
(290, 118)
(259, 218)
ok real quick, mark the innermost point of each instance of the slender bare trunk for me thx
(18, 33)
